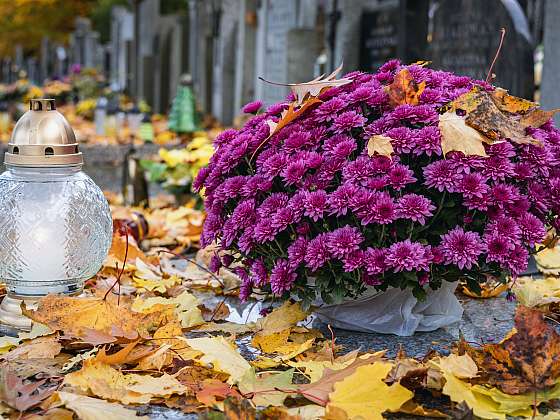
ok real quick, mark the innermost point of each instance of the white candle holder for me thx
(55, 223)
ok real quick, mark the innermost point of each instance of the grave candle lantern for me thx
(55, 223)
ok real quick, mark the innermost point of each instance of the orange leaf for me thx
(212, 389)
(404, 89)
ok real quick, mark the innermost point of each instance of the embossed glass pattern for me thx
(55, 230)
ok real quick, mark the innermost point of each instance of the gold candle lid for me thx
(42, 137)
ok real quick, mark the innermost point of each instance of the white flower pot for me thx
(395, 311)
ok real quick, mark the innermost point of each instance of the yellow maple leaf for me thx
(88, 408)
(364, 394)
(537, 292)
(280, 319)
(461, 366)
(222, 355)
(380, 145)
(105, 382)
(186, 307)
(457, 136)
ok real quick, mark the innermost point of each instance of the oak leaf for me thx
(88, 408)
(305, 90)
(20, 394)
(359, 394)
(457, 136)
(404, 89)
(380, 145)
(528, 361)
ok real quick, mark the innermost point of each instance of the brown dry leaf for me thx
(53, 414)
(404, 89)
(120, 357)
(118, 250)
(485, 116)
(489, 289)
(537, 117)
(25, 368)
(414, 409)
(212, 390)
(84, 317)
(88, 408)
(22, 395)
(510, 103)
(457, 136)
(380, 145)
(105, 382)
(39, 348)
(290, 115)
(227, 327)
(528, 361)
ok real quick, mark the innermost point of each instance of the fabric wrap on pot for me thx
(395, 311)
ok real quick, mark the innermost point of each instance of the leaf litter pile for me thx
(151, 328)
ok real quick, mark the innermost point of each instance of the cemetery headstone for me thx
(550, 94)
(379, 36)
(466, 35)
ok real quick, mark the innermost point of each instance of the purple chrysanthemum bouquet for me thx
(309, 213)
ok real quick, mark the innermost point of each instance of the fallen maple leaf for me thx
(37, 348)
(537, 292)
(212, 389)
(78, 316)
(185, 304)
(22, 395)
(537, 117)
(527, 361)
(364, 394)
(457, 136)
(512, 104)
(404, 89)
(280, 319)
(268, 388)
(318, 392)
(108, 383)
(222, 355)
(380, 145)
(88, 408)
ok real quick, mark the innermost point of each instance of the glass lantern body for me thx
(55, 230)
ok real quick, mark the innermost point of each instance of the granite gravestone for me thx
(465, 36)
(379, 36)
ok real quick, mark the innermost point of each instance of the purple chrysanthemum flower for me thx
(315, 204)
(498, 248)
(317, 252)
(348, 120)
(472, 185)
(461, 248)
(293, 173)
(353, 260)
(504, 226)
(215, 263)
(408, 256)
(328, 110)
(272, 203)
(415, 207)
(339, 199)
(423, 278)
(296, 252)
(259, 273)
(358, 170)
(343, 241)
(282, 277)
(532, 228)
(252, 107)
(502, 194)
(428, 141)
(400, 176)
(441, 175)
(283, 218)
(375, 260)
(517, 261)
